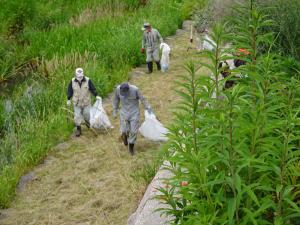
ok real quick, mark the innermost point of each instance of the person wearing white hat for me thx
(151, 41)
(80, 90)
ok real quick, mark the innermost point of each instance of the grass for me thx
(90, 182)
(42, 61)
(286, 23)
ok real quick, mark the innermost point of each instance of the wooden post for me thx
(191, 36)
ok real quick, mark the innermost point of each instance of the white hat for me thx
(79, 73)
(146, 25)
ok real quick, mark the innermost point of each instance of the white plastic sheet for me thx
(98, 116)
(165, 57)
(152, 129)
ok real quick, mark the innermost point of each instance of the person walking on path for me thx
(129, 96)
(80, 90)
(151, 41)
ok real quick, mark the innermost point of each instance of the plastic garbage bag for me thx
(165, 57)
(208, 43)
(152, 129)
(98, 116)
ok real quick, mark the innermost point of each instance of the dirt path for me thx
(87, 180)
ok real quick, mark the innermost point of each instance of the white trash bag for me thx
(208, 43)
(98, 116)
(165, 58)
(152, 129)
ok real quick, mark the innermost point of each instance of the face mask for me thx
(79, 74)
(79, 78)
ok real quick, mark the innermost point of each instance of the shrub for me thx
(189, 7)
(235, 157)
(286, 17)
(20, 14)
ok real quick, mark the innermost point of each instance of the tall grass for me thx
(30, 30)
(286, 17)
(106, 46)
(235, 158)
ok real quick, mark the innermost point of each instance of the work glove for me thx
(98, 98)
(142, 50)
(69, 103)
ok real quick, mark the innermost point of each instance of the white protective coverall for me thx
(130, 111)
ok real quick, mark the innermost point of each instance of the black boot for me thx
(78, 131)
(125, 140)
(158, 65)
(150, 67)
(131, 149)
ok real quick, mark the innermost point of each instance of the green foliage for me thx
(135, 4)
(286, 17)
(20, 14)
(235, 157)
(203, 18)
(189, 7)
(22, 149)
(2, 114)
(144, 174)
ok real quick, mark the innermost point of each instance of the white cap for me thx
(146, 25)
(79, 72)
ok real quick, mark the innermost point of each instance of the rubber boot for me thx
(150, 67)
(131, 149)
(78, 131)
(158, 66)
(125, 140)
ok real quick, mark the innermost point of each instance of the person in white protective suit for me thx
(80, 90)
(129, 96)
(150, 43)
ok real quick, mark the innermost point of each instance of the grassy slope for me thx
(91, 180)
(106, 47)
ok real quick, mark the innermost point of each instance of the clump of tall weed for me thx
(145, 173)
(235, 157)
(286, 17)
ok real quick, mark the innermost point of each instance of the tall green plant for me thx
(196, 117)
(244, 169)
(287, 22)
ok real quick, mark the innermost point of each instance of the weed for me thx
(234, 156)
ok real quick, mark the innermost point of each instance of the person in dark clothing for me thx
(240, 52)
(225, 72)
